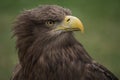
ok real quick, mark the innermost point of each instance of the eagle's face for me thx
(54, 20)
(45, 22)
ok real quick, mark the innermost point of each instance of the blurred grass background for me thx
(101, 39)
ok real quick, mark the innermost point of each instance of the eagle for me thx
(47, 49)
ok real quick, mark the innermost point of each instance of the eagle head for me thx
(48, 24)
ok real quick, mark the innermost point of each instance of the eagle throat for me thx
(52, 50)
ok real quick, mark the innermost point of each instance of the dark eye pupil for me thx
(50, 22)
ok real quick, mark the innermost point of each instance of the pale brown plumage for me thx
(43, 56)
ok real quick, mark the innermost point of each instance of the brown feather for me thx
(43, 56)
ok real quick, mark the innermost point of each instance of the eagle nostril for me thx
(68, 19)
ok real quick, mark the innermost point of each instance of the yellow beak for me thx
(70, 23)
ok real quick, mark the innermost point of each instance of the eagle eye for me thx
(50, 23)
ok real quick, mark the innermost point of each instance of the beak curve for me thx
(70, 23)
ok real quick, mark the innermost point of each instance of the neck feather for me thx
(47, 49)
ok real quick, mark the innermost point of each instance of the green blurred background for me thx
(101, 39)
